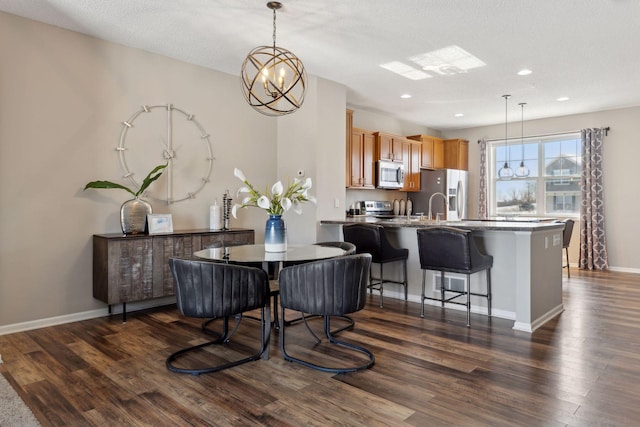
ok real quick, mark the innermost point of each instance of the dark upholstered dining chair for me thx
(331, 287)
(212, 290)
(449, 249)
(349, 249)
(372, 239)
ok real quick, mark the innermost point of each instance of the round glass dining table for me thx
(256, 253)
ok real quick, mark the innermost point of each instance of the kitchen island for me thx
(527, 265)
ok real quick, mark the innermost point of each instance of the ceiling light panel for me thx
(405, 70)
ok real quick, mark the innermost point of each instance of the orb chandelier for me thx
(522, 171)
(274, 80)
(506, 173)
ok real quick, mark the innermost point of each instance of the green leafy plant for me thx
(152, 176)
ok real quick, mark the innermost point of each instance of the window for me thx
(553, 184)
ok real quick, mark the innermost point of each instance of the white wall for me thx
(312, 140)
(620, 157)
(63, 99)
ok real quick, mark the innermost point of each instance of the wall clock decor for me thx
(166, 134)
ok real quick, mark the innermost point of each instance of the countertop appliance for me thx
(452, 184)
(389, 175)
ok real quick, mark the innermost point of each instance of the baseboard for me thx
(531, 327)
(616, 269)
(625, 270)
(85, 315)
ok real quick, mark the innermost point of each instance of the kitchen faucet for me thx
(446, 204)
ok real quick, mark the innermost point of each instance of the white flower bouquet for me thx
(276, 202)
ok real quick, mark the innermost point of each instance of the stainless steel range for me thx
(377, 209)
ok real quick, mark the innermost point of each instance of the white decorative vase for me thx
(133, 216)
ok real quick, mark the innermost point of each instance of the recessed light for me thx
(458, 115)
(405, 96)
(562, 98)
(524, 72)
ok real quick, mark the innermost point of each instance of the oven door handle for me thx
(400, 176)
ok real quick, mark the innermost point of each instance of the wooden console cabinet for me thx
(136, 267)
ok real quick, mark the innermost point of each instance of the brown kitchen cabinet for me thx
(361, 160)
(432, 151)
(389, 147)
(411, 155)
(456, 154)
(136, 267)
(348, 139)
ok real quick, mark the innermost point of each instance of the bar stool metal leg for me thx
(381, 282)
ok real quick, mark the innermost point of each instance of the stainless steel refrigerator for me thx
(452, 183)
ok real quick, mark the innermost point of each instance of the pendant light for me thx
(274, 80)
(522, 171)
(506, 173)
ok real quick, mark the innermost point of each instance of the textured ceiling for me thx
(587, 50)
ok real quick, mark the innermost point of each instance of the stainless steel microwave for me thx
(389, 175)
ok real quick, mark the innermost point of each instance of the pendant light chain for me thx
(522, 171)
(506, 173)
(506, 140)
(274, 29)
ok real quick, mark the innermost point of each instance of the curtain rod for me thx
(606, 133)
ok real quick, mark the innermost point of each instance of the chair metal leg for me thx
(469, 300)
(424, 276)
(332, 340)
(489, 294)
(381, 281)
(442, 288)
(276, 321)
(265, 332)
(568, 268)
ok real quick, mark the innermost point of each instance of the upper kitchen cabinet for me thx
(456, 154)
(432, 151)
(389, 147)
(361, 159)
(348, 139)
(411, 155)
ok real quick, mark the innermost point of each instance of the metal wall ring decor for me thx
(175, 138)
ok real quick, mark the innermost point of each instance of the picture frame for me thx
(160, 223)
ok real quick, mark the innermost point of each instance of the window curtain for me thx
(482, 196)
(593, 249)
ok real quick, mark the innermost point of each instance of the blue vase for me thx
(275, 234)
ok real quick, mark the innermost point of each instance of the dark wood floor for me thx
(582, 368)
